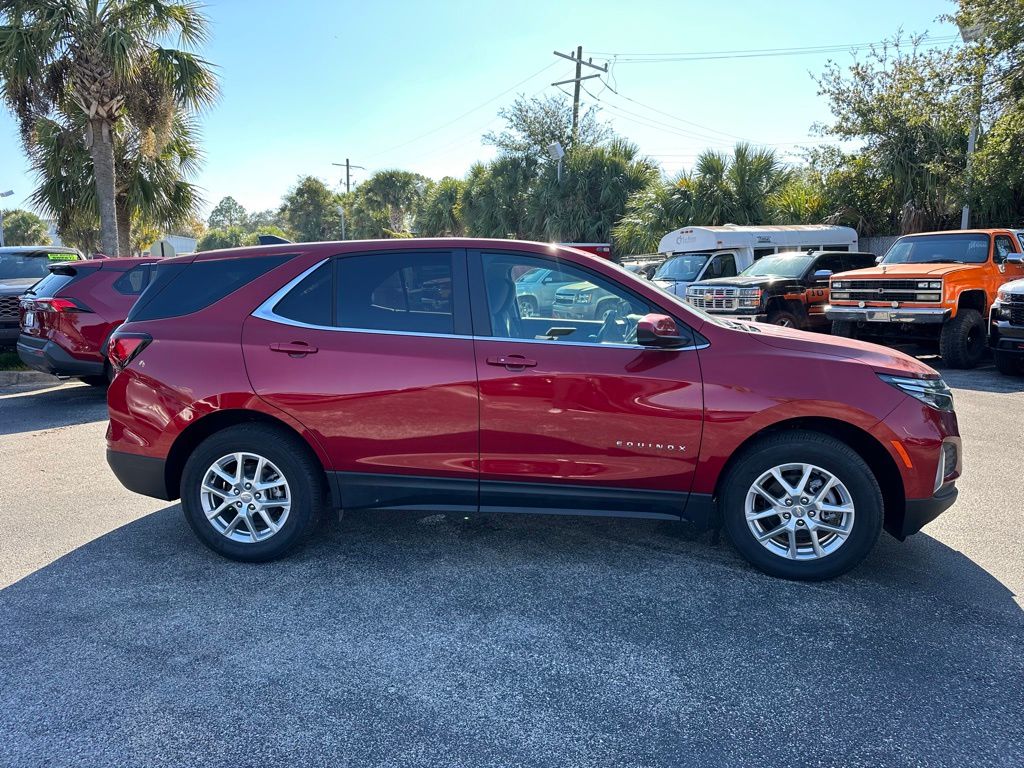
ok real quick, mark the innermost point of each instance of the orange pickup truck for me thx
(933, 288)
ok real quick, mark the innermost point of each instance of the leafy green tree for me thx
(597, 181)
(227, 213)
(736, 188)
(312, 211)
(23, 227)
(272, 217)
(533, 124)
(397, 194)
(441, 213)
(232, 237)
(651, 213)
(152, 191)
(800, 201)
(103, 57)
(496, 196)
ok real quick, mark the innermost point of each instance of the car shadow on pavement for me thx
(433, 640)
(51, 408)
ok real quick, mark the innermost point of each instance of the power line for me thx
(464, 114)
(745, 53)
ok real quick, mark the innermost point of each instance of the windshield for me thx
(684, 268)
(938, 249)
(789, 265)
(20, 265)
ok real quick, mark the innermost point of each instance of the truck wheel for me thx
(785, 319)
(844, 328)
(1008, 363)
(252, 492)
(801, 505)
(527, 307)
(962, 341)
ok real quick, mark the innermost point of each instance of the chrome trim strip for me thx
(265, 311)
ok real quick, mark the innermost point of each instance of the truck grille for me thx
(563, 298)
(1016, 314)
(886, 291)
(9, 307)
(713, 298)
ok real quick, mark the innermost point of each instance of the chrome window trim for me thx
(265, 311)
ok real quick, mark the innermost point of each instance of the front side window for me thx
(833, 262)
(724, 265)
(407, 292)
(1004, 247)
(938, 249)
(585, 308)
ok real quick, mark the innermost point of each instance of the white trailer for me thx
(701, 253)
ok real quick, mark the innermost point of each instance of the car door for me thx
(372, 353)
(576, 417)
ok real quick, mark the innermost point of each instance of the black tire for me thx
(963, 339)
(822, 451)
(785, 319)
(103, 381)
(296, 462)
(527, 306)
(1008, 363)
(844, 328)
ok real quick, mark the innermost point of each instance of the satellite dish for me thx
(163, 249)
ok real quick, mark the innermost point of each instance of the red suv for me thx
(67, 317)
(266, 385)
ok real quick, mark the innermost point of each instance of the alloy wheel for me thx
(799, 511)
(245, 497)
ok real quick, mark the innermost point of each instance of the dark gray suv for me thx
(21, 267)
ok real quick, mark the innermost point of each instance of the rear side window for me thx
(410, 292)
(180, 289)
(830, 261)
(309, 302)
(134, 281)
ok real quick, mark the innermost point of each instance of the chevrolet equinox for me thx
(266, 386)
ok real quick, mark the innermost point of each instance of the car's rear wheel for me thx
(802, 505)
(963, 339)
(1008, 363)
(527, 307)
(252, 492)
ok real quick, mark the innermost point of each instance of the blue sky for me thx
(389, 84)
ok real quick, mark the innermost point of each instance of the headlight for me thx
(1002, 296)
(932, 392)
(584, 298)
(839, 284)
(929, 285)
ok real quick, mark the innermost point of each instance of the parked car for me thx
(20, 268)
(787, 289)
(264, 386)
(67, 317)
(582, 300)
(535, 291)
(1006, 328)
(933, 288)
(644, 267)
(704, 253)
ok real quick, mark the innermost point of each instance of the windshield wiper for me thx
(941, 261)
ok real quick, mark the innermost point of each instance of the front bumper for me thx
(1005, 336)
(49, 357)
(915, 315)
(920, 512)
(141, 474)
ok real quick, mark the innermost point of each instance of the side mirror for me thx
(655, 330)
(1015, 258)
(878, 259)
(822, 275)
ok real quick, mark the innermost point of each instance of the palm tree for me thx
(152, 191)
(397, 193)
(652, 212)
(105, 57)
(736, 188)
(441, 212)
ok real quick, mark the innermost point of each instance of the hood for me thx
(15, 286)
(877, 357)
(675, 287)
(909, 270)
(751, 281)
(579, 287)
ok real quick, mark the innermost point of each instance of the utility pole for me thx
(972, 34)
(348, 173)
(580, 63)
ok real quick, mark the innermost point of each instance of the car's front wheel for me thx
(802, 505)
(252, 492)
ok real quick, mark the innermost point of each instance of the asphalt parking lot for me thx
(435, 641)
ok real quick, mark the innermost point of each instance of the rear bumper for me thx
(48, 357)
(140, 474)
(923, 316)
(920, 512)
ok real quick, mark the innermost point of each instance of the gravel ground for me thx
(434, 641)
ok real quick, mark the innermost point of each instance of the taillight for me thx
(60, 305)
(124, 348)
